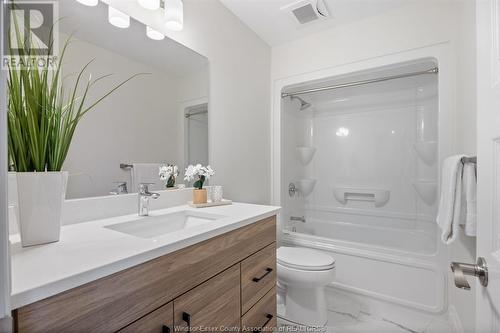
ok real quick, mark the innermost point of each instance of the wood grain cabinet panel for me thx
(262, 316)
(111, 303)
(258, 276)
(158, 321)
(213, 306)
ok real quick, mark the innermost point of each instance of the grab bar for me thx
(469, 160)
(126, 166)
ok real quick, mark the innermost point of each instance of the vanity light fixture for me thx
(90, 3)
(174, 15)
(118, 18)
(150, 4)
(153, 34)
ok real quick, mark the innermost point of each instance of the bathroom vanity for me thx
(219, 276)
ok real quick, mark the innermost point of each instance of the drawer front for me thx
(158, 321)
(262, 316)
(213, 306)
(258, 276)
(113, 302)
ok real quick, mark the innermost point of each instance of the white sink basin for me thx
(153, 226)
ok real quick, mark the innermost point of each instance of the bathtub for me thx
(370, 237)
(384, 264)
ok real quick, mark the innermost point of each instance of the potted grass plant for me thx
(200, 174)
(43, 114)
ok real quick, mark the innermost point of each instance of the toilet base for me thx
(305, 306)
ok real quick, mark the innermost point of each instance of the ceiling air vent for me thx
(307, 11)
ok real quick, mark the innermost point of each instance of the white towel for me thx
(450, 203)
(145, 173)
(469, 199)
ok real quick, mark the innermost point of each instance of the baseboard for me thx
(454, 320)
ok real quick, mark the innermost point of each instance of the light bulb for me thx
(118, 18)
(153, 34)
(150, 4)
(174, 15)
(89, 2)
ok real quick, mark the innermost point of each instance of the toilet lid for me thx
(304, 259)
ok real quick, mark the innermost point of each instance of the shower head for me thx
(303, 104)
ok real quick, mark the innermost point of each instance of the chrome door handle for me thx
(479, 270)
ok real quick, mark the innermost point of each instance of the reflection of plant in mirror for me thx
(200, 173)
(168, 174)
(41, 118)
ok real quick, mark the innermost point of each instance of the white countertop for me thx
(87, 251)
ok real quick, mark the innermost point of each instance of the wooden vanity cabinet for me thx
(159, 321)
(213, 306)
(208, 286)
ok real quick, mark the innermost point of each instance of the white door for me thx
(488, 94)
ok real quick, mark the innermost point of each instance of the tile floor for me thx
(364, 323)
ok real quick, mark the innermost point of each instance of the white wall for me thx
(239, 109)
(407, 28)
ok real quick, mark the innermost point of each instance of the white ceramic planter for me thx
(40, 200)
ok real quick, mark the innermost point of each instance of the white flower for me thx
(167, 171)
(198, 171)
(207, 172)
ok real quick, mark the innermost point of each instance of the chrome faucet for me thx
(121, 188)
(144, 196)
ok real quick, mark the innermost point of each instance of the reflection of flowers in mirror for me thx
(168, 174)
(198, 172)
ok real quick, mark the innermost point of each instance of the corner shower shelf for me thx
(379, 196)
(306, 154)
(427, 151)
(426, 189)
(306, 186)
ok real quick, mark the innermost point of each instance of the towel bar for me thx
(469, 160)
(126, 166)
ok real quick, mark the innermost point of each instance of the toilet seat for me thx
(304, 259)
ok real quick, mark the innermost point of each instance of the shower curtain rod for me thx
(434, 70)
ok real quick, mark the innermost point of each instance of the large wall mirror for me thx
(157, 118)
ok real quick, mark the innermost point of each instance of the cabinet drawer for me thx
(262, 316)
(213, 306)
(158, 321)
(258, 276)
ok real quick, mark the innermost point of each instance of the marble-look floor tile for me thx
(346, 322)
(340, 323)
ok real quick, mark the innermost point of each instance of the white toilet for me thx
(303, 274)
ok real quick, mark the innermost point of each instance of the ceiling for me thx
(276, 26)
(91, 24)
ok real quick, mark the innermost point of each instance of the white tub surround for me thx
(89, 251)
(378, 149)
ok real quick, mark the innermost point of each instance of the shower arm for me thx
(434, 70)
